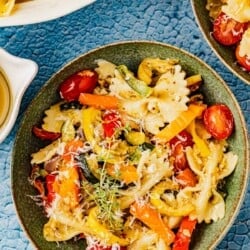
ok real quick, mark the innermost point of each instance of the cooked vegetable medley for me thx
(133, 160)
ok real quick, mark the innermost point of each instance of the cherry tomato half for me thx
(228, 31)
(83, 81)
(218, 120)
(177, 145)
(186, 178)
(244, 61)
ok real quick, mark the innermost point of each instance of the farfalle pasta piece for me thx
(238, 10)
(227, 165)
(148, 239)
(54, 230)
(155, 166)
(46, 153)
(105, 70)
(172, 93)
(209, 171)
(216, 207)
(245, 44)
(153, 123)
(63, 223)
(55, 117)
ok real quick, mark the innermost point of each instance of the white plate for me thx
(19, 73)
(35, 11)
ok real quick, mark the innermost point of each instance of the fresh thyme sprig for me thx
(105, 195)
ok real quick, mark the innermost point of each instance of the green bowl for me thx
(130, 53)
(225, 53)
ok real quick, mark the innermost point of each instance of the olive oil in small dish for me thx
(5, 98)
(16, 74)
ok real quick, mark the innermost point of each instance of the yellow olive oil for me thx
(5, 98)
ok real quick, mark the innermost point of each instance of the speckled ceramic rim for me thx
(244, 130)
(241, 74)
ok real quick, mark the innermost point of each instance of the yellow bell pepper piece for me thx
(194, 79)
(98, 230)
(180, 123)
(150, 65)
(182, 209)
(126, 173)
(67, 186)
(200, 143)
(90, 115)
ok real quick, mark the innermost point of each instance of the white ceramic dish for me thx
(19, 73)
(35, 11)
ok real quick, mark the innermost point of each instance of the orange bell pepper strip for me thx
(184, 234)
(66, 185)
(99, 101)
(200, 143)
(181, 122)
(152, 218)
(70, 148)
(128, 174)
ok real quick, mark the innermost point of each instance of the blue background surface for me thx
(54, 43)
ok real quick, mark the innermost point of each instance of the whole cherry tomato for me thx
(218, 120)
(228, 31)
(44, 134)
(83, 81)
(244, 61)
(111, 121)
(178, 144)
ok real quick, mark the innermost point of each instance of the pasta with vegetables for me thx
(133, 160)
(231, 27)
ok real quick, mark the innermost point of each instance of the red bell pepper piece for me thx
(184, 234)
(44, 134)
(50, 180)
(111, 121)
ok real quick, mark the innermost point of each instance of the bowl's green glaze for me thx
(129, 53)
(225, 53)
